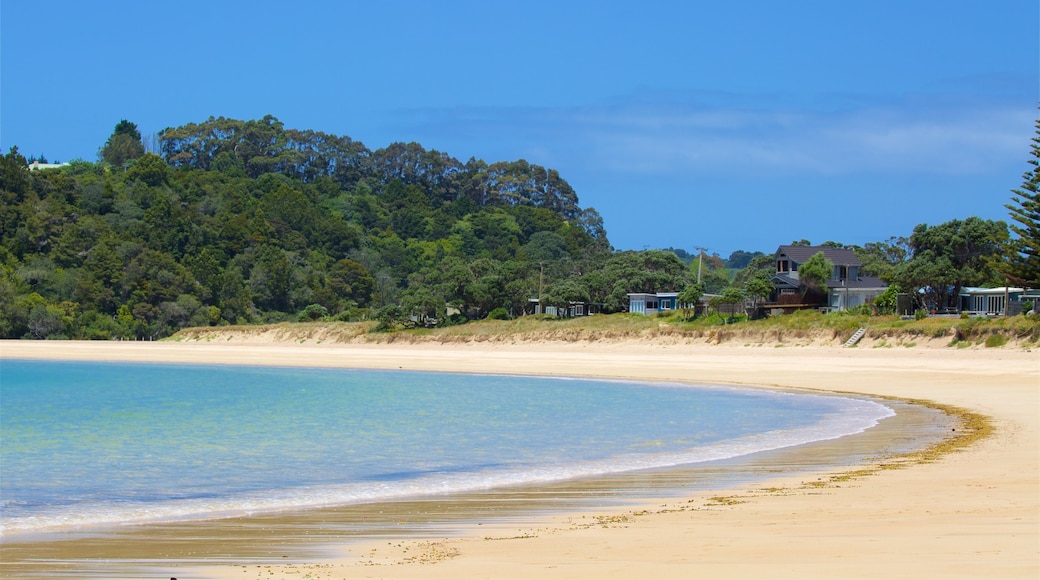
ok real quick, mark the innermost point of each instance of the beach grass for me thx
(800, 328)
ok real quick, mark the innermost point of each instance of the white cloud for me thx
(959, 141)
(685, 138)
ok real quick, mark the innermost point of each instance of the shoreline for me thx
(959, 514)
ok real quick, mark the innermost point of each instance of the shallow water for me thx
(89, 445)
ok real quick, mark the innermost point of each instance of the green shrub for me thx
(498, 314)
(353, 314)
(313, 312)
(861, 310)
(274, 317)
(389, 317)
(996, 340)
(456, 319)
(886, 302)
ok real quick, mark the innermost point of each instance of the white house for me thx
(988, 301)
(651, 303)
(36, 165)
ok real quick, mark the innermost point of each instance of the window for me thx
(996, 304)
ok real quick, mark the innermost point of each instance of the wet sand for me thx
(970, 514)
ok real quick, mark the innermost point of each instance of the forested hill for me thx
(247, 221)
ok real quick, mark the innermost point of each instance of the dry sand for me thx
(971, 514)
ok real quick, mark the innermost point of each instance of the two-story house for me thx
(845, 289)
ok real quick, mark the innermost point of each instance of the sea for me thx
(86, 445)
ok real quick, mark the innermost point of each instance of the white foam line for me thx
(854, 416)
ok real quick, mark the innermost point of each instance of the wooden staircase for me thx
(855, 337)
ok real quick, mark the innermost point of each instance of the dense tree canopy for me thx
(624, 272)
(247, 221)
(740, 259)
(710, 272)
(879, 259)
(949, 256)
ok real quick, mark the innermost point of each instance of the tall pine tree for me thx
(1021, 265)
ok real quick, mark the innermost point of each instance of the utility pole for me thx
(541, 286)
(700, 262)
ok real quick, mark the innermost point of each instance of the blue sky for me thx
(724, 125)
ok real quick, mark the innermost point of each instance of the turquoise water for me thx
(93, 444)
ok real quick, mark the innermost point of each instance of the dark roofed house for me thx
(845, 289)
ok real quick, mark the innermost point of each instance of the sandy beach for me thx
(971, 514)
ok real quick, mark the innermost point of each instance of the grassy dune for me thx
(799, 329)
